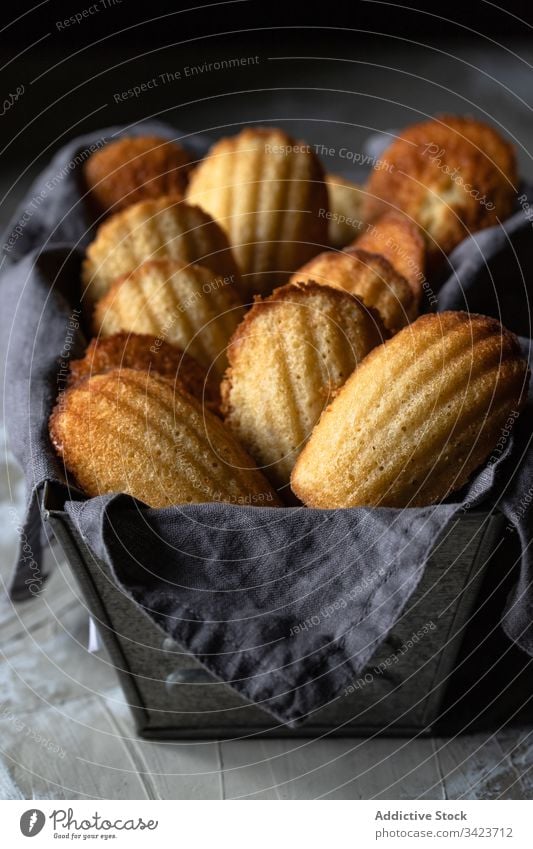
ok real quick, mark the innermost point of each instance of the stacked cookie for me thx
(255, 330)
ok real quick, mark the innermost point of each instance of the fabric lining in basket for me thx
(288, 605)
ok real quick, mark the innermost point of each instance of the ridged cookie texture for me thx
(166, 228)
(400, 241)
(132, 169)
(267, 191)
(345, 218)
(289, 356)
(185, 305)
(417, 417)
(129, 431)
(368, 276)
(452, 175)
(146, 353)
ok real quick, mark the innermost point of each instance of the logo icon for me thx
(32, 822)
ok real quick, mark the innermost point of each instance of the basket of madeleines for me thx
(261, 330)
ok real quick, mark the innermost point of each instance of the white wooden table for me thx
(66, 732)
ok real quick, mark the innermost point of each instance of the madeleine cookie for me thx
(417, 417)
(154, 229)
(287, 359)
(345, 220)
(186, 305)
(368, 276)
(267, 192)
(129, 431)
(132, 169)
(401, 243)
(451, 175)
(146, 353)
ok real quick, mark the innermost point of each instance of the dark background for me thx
(328, 73)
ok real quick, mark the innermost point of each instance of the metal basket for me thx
(401, 692)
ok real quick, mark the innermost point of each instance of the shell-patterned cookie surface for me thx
(129, 431)
(166, 228)
(368, 276)
(146, 353)
(287, 359)
(188, 306)
(417, 417)
(132, 169)
(451, 175)
(345, 219)
(267, 192)
(400, 241)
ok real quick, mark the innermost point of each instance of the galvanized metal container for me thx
(401, 692)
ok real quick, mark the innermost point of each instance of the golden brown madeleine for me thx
(452, 175)
(401, 243)
(129, 431)
(165, 228)
(345, 220)
(146, 353)
(368, 276)
(287, 358)
(132, 169)
(417, 417)
(185, 305)
(268, 193)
